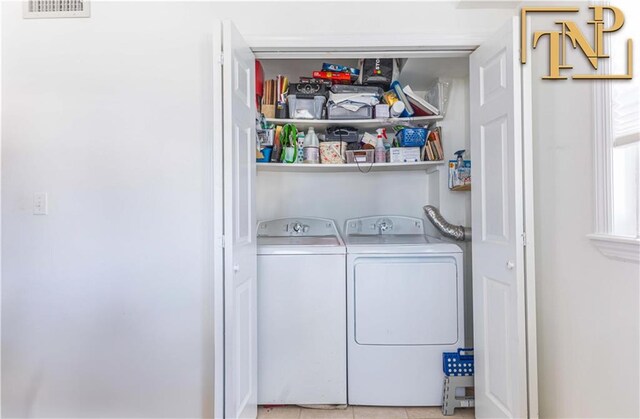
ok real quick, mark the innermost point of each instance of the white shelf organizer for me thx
(428, 166)
(303, 124)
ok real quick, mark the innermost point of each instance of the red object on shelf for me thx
(335, 77)
(259, 83)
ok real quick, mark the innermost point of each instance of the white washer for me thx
(404, 308)
(301, 312)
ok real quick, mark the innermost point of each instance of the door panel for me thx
(498, 216)
(240, 260)
(497, 356)
(494, 182)
(390, 302)
(243, 193)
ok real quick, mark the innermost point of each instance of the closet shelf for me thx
(356, 123)
(428, 166)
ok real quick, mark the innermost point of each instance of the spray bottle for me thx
(381, 151)
(459, 164)
(459, 159)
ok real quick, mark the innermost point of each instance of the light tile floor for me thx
(360, 412)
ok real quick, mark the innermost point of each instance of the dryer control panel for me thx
(388, 224)
(285, 227)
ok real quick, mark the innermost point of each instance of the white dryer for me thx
(301, 312)
(404, 308)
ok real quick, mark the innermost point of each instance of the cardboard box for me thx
(404, 154)
(333, 76)
(381, 111)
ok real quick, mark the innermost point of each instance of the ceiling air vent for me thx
(56, 8)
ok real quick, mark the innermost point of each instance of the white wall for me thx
(588, 311)
(105, 300)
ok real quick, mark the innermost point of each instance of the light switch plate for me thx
(40, 206)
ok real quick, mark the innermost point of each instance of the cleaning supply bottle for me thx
(459, 165)
(300, 147)
(381, 151)
(459, 159)
(311, 147)
(396, 109)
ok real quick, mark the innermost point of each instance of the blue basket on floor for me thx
(412, 137)
(458, 363)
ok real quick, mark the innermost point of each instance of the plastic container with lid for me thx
(306, 108)
(338, 112)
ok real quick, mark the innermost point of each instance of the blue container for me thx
(412, 137)
(457, 363)
(266, 152)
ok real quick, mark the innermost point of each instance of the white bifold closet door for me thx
(502, 385)
(234, 189)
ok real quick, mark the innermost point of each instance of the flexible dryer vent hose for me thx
(447, 229)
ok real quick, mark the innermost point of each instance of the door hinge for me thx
(221, 59)
(222, 243)
(524, 239)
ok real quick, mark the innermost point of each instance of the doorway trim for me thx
(365, 46)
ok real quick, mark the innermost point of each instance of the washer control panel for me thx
(392, 224)
(285, 227)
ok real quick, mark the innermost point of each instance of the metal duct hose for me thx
(447, 229)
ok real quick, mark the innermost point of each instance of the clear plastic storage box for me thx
(306, 108)
(360, 156)
(338, 112)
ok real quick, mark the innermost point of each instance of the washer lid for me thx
(272, 249)
(299, 241)
(299, 236)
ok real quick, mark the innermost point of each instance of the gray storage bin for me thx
(306, 108)
(338, 112)
(345, 134)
